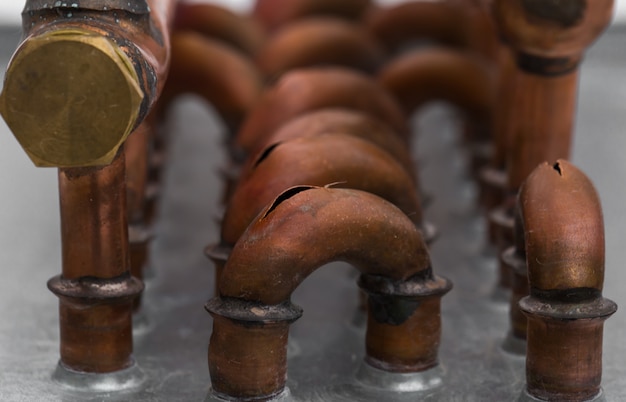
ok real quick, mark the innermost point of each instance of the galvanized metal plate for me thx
(326, 346)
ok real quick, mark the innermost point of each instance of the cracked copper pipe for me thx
(274, 14)
(304, 90)
(247, 351)
(564, 231)
(320, 41)
(86, 76)
(348, 161)
(214, 21)
(327, 121)
(459, 78)
(548, 40)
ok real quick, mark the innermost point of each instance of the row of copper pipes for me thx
(320, 171)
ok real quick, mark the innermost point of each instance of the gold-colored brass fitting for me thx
(70, 98)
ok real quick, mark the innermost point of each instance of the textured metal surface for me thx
(326, 345)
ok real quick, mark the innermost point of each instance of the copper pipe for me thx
(440, 21)
(222, 76)
(86, 76)
(275, 255)
(548, 41)
(318, 42)
(95, 289)
(348, 161)
(441, 74)
(214, 21)
(304, 90)
(564, 232)
(89, 74)
(344, 121)
(513, 259)
(275, 13)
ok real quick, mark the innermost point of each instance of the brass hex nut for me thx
(71, 98)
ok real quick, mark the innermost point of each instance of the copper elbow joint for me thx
(88, 83)
(318, 42)
(247, 353)
(213, 70)
(564, 233)
(305, 90)
(459, 78)
(396, 26)
(213, 21)
(275, 13)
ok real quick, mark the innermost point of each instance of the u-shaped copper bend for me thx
(247, 353)
(564, 234)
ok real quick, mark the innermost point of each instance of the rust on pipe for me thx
(86, 76)
(95, 289)
(305, 90)
(275, 255)
(214, 21)
(275, 13)
(320, 42)
(564, 232)
(222, 76)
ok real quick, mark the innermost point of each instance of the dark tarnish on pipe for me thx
(564, 233)
(305, 90)
(247, 353)
(320, 42)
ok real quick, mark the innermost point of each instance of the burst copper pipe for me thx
(216, 72)
(95, 288)
(348, 161)
(214, 21)
(564, 232)
(320, 41)
(273, 14)
(88, 73)
(325, 121)
(548, 41)
(247, 351)
(304, 90)
(344, 121)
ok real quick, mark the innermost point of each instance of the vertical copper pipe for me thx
(548, 41)
(95, 289)
(89, 73)
(564, 232)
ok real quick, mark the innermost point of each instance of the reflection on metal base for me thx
(132, 378)
(372, 377)
(526, 397)
(514, 345)
(284, 396)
